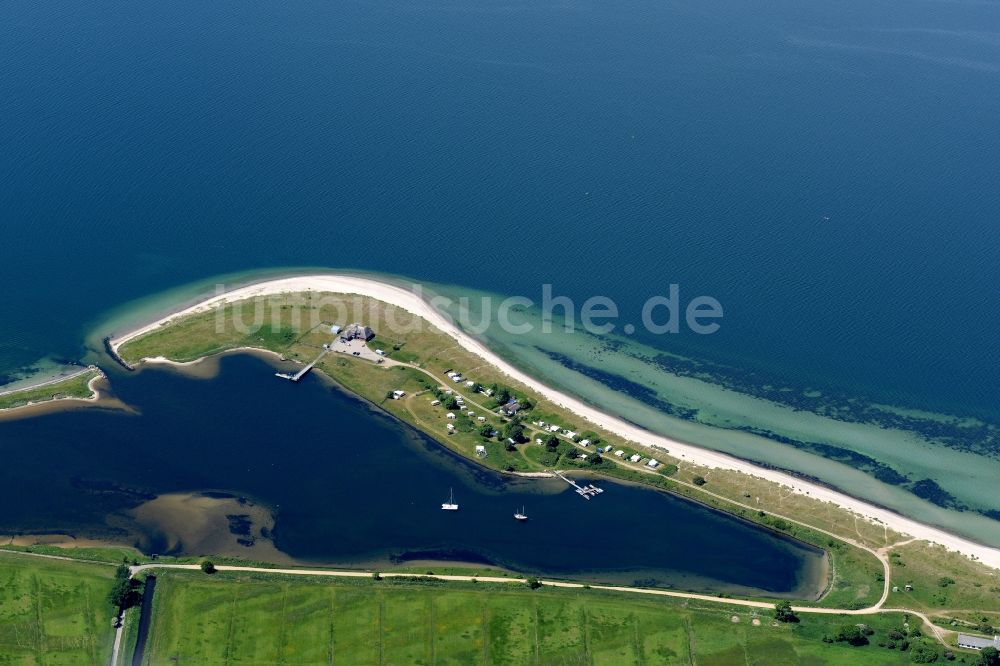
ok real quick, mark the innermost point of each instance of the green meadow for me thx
(54, 612)
(263, 619)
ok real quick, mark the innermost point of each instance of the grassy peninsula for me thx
(78, 385)
(914, 596)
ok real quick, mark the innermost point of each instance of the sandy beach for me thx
(415, 304)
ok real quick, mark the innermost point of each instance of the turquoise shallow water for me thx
(499, 146)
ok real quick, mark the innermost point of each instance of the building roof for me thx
(511, 407)
(356, 331)
(978, 642)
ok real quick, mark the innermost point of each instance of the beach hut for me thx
(450, 415)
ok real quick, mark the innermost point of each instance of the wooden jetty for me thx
(302, 373)
(586, 492)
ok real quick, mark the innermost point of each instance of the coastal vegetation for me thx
(418, 362)
(76, 386)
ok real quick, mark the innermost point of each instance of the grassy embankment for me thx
(74, 387)
(54, 611)
(229, 618)
(291, 332)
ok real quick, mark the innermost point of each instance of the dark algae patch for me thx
(849, 410)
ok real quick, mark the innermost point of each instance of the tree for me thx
(120, 594)
(486, 432)
(989, 656)
(207, 566)
(783, 612)
(515, 431)
(924, 654)
(851, 634)
(595, 459)
(552, 442)
(699, 480)
(534, 583)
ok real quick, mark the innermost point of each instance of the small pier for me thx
(302, 373)
(586, 492)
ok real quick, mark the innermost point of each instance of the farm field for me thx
(264, 619)
(54, 611)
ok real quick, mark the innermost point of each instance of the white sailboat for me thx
(520, 515)
(450, 504)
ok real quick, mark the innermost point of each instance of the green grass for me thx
(75, 387)
(54, 612)
(297, 335)
(228, 618)
(107, 554)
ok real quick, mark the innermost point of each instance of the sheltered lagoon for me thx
(349, 485)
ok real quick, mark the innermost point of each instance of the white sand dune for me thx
(413, 303)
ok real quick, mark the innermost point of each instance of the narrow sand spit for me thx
(414, 303)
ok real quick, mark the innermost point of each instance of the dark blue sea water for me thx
(608, 148)
(604, 147)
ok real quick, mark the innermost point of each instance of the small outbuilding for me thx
(397, 394)
(635, 457)
(450, 415)
(653, 463)
(480, 451)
